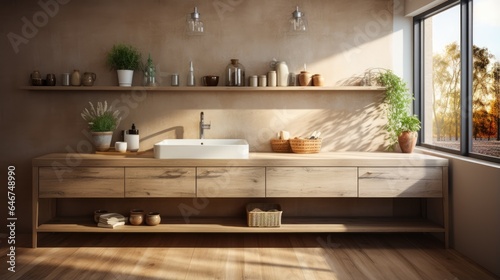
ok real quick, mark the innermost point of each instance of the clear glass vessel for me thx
(235, 74)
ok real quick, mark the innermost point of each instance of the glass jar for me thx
(235, 74)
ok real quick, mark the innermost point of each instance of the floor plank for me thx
(240, 256)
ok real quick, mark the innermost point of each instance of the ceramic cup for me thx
(211, 81)
(121, 146)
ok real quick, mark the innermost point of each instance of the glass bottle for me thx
(150, 73)
(235, 74)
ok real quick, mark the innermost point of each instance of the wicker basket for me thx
(280, 146)
(264, 218)
(305, 146)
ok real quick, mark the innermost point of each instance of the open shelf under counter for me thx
(202, 88)
(235, 225)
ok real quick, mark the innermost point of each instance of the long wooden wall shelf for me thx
(200, 88)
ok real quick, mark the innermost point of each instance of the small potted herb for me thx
(102, 121)
(124, 59)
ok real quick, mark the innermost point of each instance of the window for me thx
(486, 77)
(442, 61)
(457, 77)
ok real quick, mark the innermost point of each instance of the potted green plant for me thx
(102, 121)
(124, 59)
(401, 124)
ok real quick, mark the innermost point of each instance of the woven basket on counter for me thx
(280, 146)
(264, 215)
(305, 146)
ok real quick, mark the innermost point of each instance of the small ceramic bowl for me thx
(211, 81)
(136, 217)
(153, 218)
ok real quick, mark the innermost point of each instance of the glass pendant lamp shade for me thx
(194, 24)
(298, 22)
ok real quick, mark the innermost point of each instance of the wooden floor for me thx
(239, 256)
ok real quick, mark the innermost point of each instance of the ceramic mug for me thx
(88, 78)
(120, 146)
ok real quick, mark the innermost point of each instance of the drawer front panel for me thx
(160, 182)
(231, 181)
(401, 182)
(81, 182)
(311, 182)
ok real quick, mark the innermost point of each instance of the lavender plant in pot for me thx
(102, 121)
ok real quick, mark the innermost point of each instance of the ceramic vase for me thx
(76, 78)
(305, 78)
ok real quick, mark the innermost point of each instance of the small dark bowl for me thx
(210, 81)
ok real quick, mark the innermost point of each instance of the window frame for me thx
(466, 79)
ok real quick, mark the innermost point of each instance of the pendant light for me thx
(194, 24)
(298, 23)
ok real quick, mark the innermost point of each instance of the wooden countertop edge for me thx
(341, 159)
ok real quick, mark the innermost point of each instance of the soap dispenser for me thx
(132, 139)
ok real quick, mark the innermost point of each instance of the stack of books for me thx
(111, 220)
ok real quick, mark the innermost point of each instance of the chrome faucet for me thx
(203, 126)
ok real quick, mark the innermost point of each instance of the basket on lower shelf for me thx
(305, 146)
(264, 215)
(280, 146)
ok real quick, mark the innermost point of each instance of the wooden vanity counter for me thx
(255, 159)
(266, 176)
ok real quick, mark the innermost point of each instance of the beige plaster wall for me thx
(415, 7)
(474, 208)
(346, 38)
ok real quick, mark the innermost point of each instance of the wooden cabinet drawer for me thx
(311, 182)
(231, 181)
(81, 182)
(160, 182)
(401, 182)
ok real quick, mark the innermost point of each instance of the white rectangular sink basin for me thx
(201, 149)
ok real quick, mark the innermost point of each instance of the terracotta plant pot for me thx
(407, 141)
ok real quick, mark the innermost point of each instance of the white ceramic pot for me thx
(125, 77)
(102, 140)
